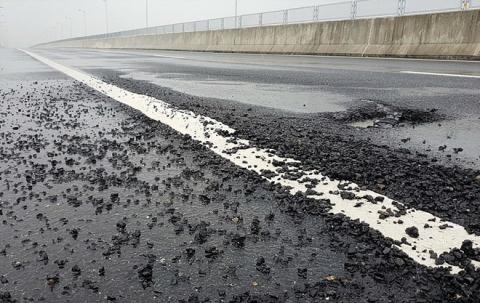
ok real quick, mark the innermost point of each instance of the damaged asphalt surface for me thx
(100, 204)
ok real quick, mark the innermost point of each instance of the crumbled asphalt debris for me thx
(132, 182)
(76, 270)
(315, 137)
(412, 231)
(347, 195)
(3, 280)
(471, 252)
(238, 240)
(385, 115)
(43, 257)
(262, 266)
(255, 226)
(145, 274)
(302, 273)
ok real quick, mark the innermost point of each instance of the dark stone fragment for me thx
(74, 233)
(412, 232)
(347, 195)
(146, 275)
(88, 284)
(43, 257)
(467, 248)
(255, 226)
(76, 270)
(190, 253)
(302, 272)
(238, 241)
(262, 266)
(212, 252)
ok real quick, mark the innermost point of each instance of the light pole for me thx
(84, 21)
(106, 18)
(60, 27)
(71, 26)
(236, 13)
(4, 42)
(146, 13)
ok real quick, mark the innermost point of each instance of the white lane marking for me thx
(173, 57)
(387, 58)
(140, 53)
(440, 74)
(331, 56)
(326, 56)
(436, 235)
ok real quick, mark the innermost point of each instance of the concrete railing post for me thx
(402, 4)
(354, 9)
(208, 25)
(285, 17)
(223, 23)
(260, 19)
(316, 13)
(240, 21)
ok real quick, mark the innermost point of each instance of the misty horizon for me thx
(25, 23)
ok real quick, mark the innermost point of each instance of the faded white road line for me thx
(141, 53)
(385, 215)
(172, 57)
(440, 74)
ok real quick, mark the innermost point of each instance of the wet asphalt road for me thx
(99, 203)
(309, 84)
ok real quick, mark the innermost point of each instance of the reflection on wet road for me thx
(295, 98)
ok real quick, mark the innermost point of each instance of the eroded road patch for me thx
(391, 218)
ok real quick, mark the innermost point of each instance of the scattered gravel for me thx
(98, 203)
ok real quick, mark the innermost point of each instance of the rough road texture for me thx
(100, 204)
(332, 147)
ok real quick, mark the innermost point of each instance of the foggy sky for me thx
(28, 22)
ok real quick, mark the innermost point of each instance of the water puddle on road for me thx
(392, 219)
(363, 124)
(294, 98)
(454, 141)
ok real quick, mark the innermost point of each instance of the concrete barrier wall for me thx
(441, 35)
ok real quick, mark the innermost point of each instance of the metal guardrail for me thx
(345, 10)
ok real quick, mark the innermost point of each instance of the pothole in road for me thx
(377, 114)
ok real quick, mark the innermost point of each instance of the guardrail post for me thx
(285, 17)
(466, 4)
(223, 23)
(240, 19)
(208, 25)
(354, 9)
(402, 4)
(316, 13)
(260, 19)
(183, 27)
